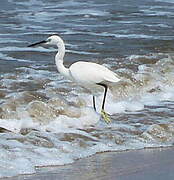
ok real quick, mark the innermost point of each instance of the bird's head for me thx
(51, 40)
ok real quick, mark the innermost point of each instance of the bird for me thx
(89, 75)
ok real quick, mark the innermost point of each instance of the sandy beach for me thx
(130, 165)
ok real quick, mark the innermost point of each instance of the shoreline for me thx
(153, 163)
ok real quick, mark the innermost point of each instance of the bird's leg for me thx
(94, 103)
(103, 113)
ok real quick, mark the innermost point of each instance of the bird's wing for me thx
(92, 73)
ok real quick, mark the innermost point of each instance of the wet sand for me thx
(144, 164)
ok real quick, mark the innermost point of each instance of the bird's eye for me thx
(49, 40)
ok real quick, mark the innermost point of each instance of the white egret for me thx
(86, 74)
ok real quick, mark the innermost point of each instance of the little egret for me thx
(87, 74)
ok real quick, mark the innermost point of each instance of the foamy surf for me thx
(46, 120)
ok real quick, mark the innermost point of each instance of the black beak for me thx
(41, 42)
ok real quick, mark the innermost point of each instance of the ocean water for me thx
(47, 120)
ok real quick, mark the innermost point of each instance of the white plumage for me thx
(87, 74)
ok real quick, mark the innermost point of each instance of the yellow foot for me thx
(106, 117)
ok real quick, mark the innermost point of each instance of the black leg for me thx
(105, 92)
(94, 103)
(103, 113)
(104, 98)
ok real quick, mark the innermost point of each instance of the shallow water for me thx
(48, 120)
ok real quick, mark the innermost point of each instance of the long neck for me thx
(59, 59)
